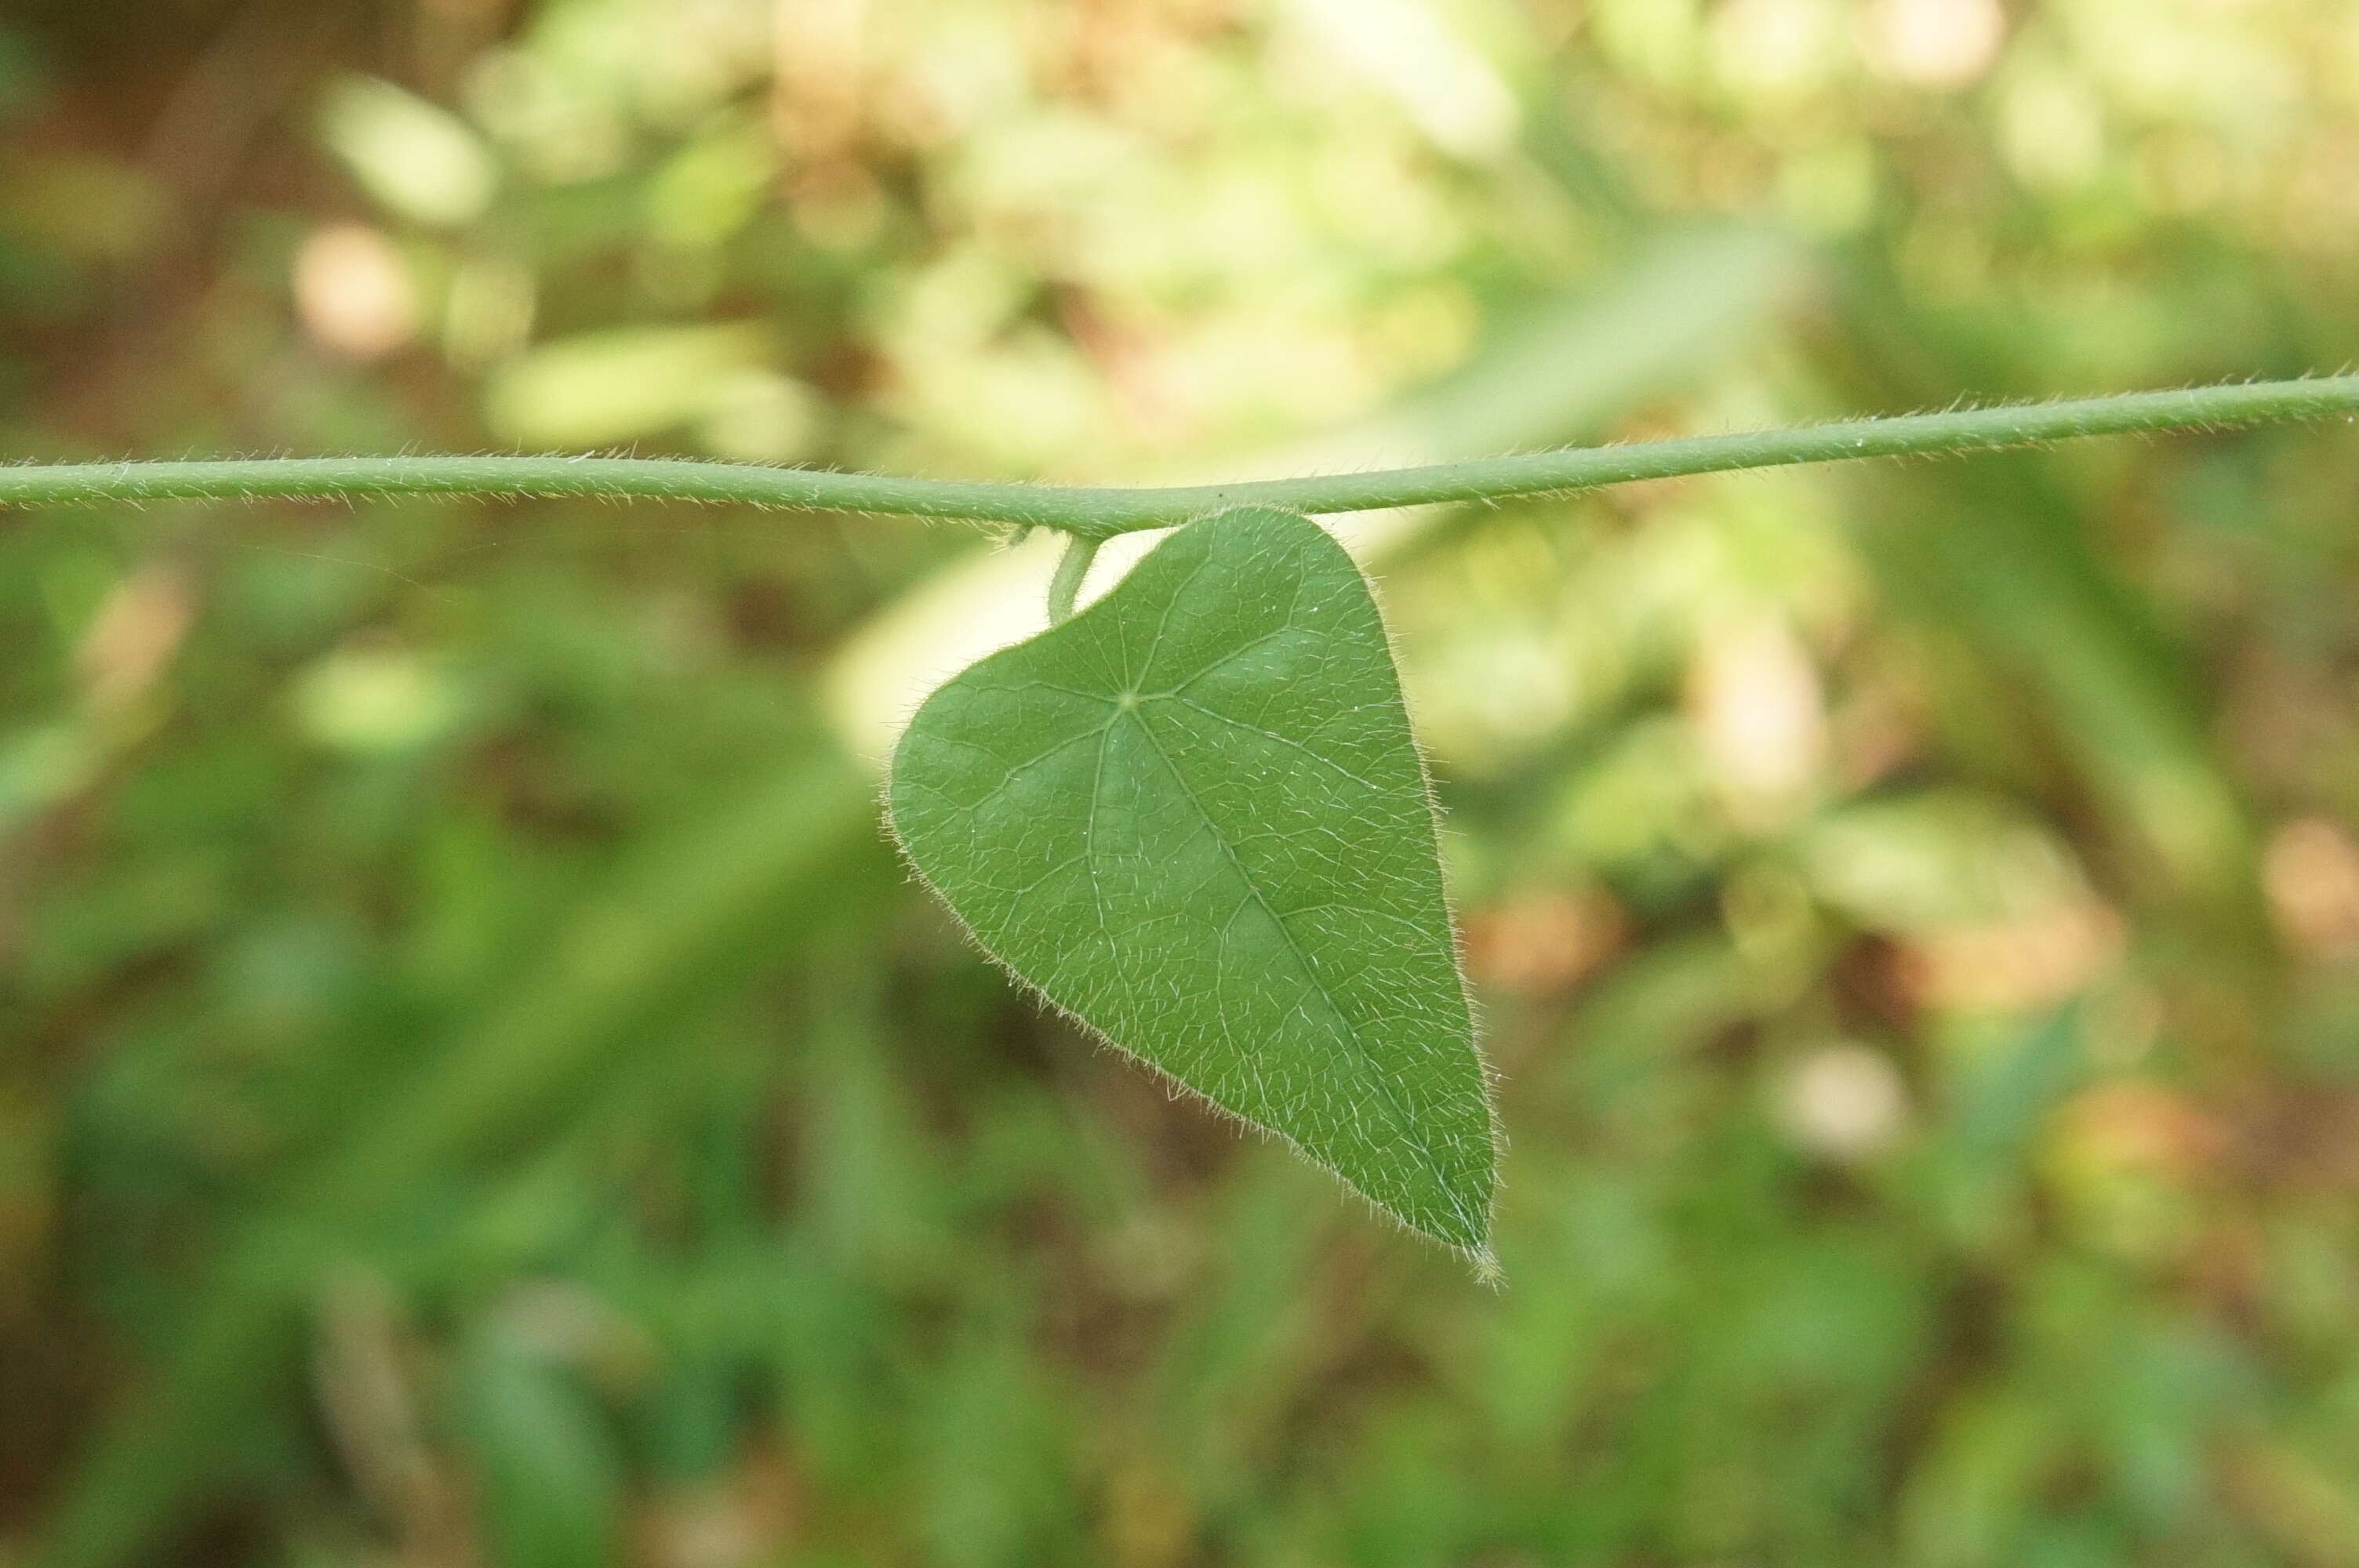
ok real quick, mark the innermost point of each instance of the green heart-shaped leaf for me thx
(1194, 817)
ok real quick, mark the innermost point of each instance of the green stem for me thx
(1071, 567)
(1097, 514)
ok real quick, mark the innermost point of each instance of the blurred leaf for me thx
(1917, 862)
(1975, 1487)
(417, 159)
(615, 385)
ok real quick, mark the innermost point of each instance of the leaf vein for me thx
(1401, 1117)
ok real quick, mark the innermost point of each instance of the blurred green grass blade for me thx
(2000, 551)
(1974, 1488)
(1243, 1348)
(1556, 368)
(1639, 1021)
(2010, 1086)
(2001, 1096)
(991, 1434)
(871, 1178)
(831, 1346)
(178, 1433)
(679, 931)
(1999, 555)
(702, 911)
(549, 1480)
(1681, 298)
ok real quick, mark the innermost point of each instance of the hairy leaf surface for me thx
(1193, 817)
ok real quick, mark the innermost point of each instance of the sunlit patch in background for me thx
(1770, 52)
(354, 292)
(1406, 49)
(1939, 44)
(488, 310)
(368, 700)
(2034, 960)
(1542, 942)
(2131, 1158)
(1760, 718)
(1843, 1101)
(2051, 124)
(2311, 869)
(1989, 910)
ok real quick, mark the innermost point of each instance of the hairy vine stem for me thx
(1095, 513)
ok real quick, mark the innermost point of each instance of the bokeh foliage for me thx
(478, 1089)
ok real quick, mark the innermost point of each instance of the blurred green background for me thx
(476, 1087)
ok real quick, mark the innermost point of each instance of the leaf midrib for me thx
(1404, 1124)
